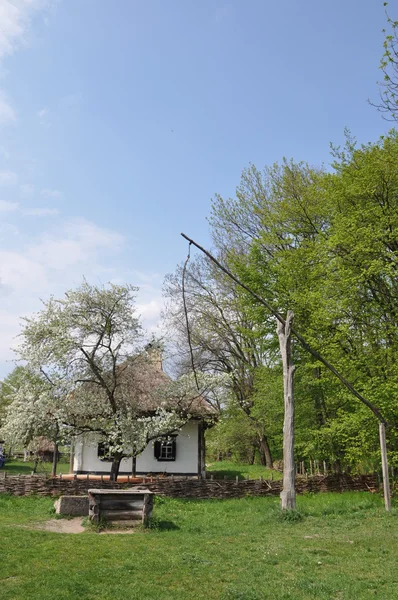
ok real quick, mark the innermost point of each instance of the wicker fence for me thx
(181, 487)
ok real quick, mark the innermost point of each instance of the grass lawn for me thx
(344, 548)
(13, 467)
(230, 470)
(219, 469)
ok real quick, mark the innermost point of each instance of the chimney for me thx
(154, 352)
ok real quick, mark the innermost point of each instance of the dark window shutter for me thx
(103, 452)
(157, 447)
(174, 446)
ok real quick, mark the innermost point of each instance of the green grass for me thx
(344, 548)
(14, 467)
(231, 470)
(218, 469)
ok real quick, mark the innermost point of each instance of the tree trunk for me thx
(288, 494)
(134, 473)
(36, 462)
(71, 457)
(55, 460)
(117, 458)
(265, 451)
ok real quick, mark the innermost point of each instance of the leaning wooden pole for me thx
(317, 356)
(288, 494)
(384, 466)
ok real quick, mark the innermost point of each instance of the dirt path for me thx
(75, 526)
(64, 525)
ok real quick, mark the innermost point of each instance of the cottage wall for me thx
(86, 456)
(186, 455)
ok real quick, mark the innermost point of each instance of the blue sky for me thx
(119, 121)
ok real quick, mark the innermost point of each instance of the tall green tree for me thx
(324, 245)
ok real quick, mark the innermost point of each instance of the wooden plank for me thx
(109, 515)
(118, 504)
(101, 492)
(125, 524)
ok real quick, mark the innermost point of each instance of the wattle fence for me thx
(184, 487)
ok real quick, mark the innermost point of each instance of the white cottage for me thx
(179, 454)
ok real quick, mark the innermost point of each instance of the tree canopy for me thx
(324, 244)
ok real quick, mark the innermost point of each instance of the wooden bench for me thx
(120, 507)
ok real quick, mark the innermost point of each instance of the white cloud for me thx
(146, 278)
(18, 273)
(7, 229)
(15, 17)
(40, 212)
(56, 261)
(151, 310)
(9, 329)
(8, 178)
(8, 206)
(150, 302)
(15, 20)
(49, 193)
(77, 242)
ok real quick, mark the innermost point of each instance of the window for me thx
(165, 449)
(103, 452)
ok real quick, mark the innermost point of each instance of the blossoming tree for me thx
(79, 352)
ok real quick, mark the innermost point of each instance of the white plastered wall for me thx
(86, 458)
(186, 454)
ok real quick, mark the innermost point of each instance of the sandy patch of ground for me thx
(75, 526)
(63, 525)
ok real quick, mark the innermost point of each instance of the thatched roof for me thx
(42, 444)
(149, 386)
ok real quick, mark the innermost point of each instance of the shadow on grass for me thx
(160, 525)
(17, 468)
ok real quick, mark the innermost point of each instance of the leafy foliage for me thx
(324, 244)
